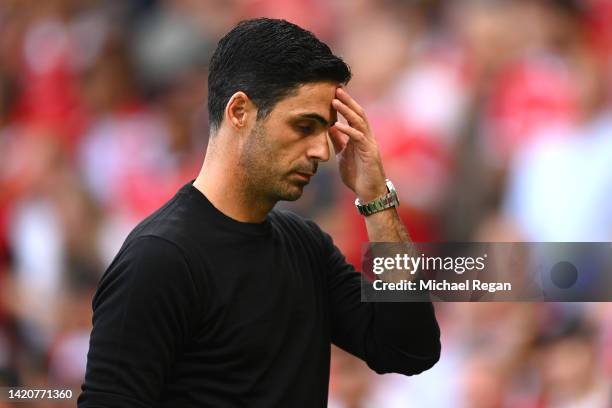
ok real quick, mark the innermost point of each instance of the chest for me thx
(264, 297)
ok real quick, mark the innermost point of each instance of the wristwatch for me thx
(381, 203)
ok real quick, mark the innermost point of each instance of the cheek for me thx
(283, 154)
(293, 156)
(282, 147)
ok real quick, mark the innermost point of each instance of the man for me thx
(217, 299)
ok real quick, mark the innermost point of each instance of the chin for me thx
(292, 193)
(291, 197)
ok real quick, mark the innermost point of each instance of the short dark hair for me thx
(268, 59)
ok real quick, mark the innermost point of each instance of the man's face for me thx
(283, 150)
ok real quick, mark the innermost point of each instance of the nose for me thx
(319, 147)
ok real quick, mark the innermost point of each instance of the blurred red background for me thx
(494, 122)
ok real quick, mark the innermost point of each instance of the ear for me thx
(239, 110)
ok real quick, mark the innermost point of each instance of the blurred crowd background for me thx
(494, 122)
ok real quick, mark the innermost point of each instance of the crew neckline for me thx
(227, 221)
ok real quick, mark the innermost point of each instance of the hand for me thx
(361, 167)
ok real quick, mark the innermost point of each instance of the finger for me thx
(348, 100)
(350, 115)
(338, 139)
(351, 132)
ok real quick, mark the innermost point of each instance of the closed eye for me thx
(305, 129)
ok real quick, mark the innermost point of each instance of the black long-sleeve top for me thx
(200, 310)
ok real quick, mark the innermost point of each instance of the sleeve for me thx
(142, 313)
(391, 337)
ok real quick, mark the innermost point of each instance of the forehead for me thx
(310, 98)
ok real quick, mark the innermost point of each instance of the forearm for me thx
(390, 238)
(414, 346)
(386, 226)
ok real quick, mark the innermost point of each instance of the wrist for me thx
(373, 193)
(380, 203)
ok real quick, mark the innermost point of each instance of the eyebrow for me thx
(316, 117)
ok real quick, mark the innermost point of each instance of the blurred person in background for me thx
(572, 375)
(483, 382)
(352, 387)
(560, 187)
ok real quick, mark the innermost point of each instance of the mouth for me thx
(304, 176)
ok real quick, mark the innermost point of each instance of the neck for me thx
(225, 184)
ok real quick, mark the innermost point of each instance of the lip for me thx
(304, 176)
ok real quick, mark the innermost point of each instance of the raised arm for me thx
(390, 337)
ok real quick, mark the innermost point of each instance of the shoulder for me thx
(147, 247)
(169, 227)
(146, 267)
(149, 283)
(149, 260)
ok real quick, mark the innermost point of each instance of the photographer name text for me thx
(441, 285)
